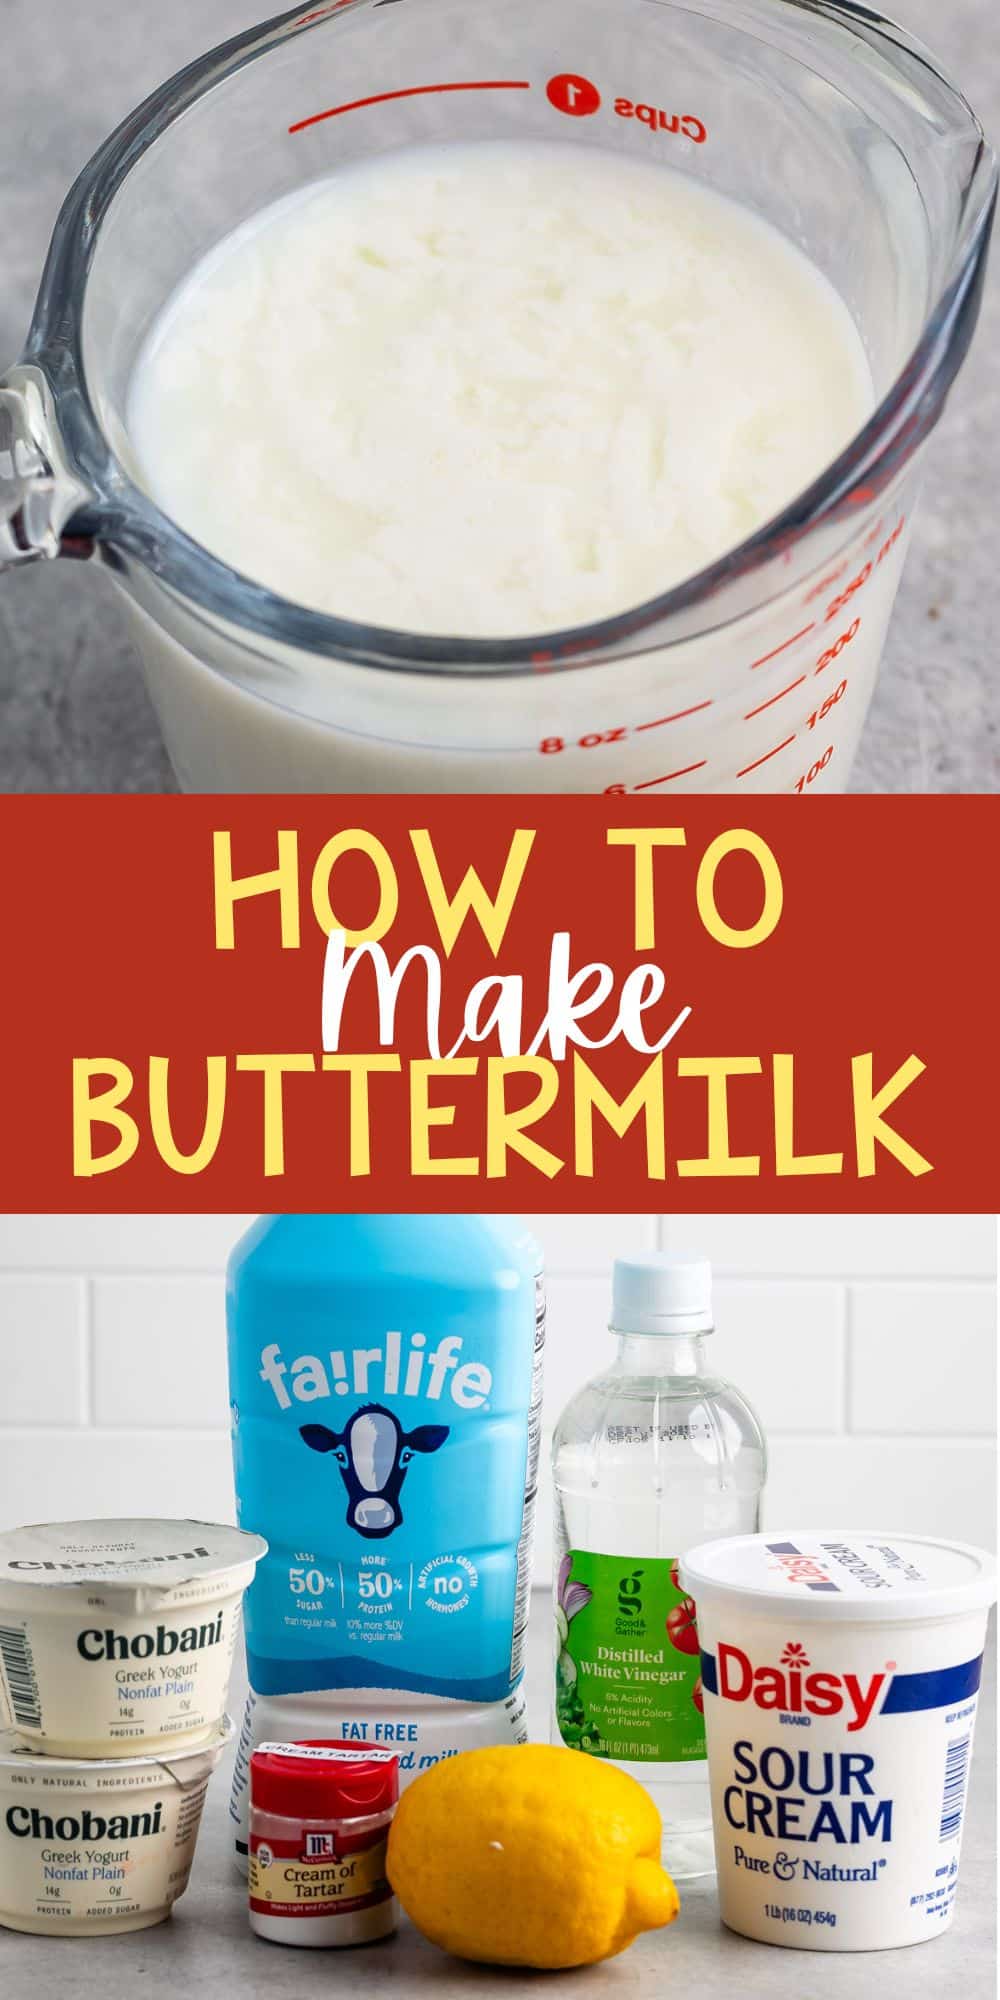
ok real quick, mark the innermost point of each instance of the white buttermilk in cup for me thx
(840, 1677)
(117, 1637)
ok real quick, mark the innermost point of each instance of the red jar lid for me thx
(323, 1780)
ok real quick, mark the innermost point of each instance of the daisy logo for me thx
(791, 1689)
(794, 1655)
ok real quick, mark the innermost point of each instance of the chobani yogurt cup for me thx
(117, 1637)
(840, 1674)
(99, 1846)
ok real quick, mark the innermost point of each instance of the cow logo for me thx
(374, 1452)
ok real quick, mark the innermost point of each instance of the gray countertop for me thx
(74, 715)
(208, 1948)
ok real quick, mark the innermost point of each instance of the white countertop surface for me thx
(207, 1947)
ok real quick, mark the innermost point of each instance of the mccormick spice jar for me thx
(319, 1823)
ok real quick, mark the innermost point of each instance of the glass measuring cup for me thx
(755, 674)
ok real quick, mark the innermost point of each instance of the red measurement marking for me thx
(783, 648)
(575, 95)
(819, 589)
(684, 125)
(747, 768)
(649, 782)
(320, 13)
(679, 717)
(774, 698)
(390, 96)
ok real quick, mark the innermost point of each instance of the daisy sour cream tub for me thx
(100, 1846)
(117, 1637)
(840, 1674)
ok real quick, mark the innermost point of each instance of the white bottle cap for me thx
(662, 1292)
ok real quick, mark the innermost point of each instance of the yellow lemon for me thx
(530, 1855)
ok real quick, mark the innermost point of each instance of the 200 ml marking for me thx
(596, 738)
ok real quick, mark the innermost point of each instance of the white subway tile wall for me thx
(867, 1345)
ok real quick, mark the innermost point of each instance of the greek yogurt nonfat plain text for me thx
(90, 1847)
(117, 1637)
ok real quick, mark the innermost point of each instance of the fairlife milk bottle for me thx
(386, 1383)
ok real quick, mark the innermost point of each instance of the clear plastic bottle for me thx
(649, 1459)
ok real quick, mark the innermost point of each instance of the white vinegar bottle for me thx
(650, 1458)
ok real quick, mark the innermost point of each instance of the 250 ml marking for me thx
(574, 96)
(597, 738)
(392, 96)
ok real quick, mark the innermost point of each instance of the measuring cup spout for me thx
(39, 494)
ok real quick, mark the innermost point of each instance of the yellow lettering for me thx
(103, 1107)
(644, 839)
(505, 1129)
(870, 1128)
(492, 915)
(590, 1095)
(718, 1158)
(355, 840)
(786, 1159)
(359, 1069)
(739, 840)
(159, 1115)
(424, 1116)
(229, 889)
(274, 1069)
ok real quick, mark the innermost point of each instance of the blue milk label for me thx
(386, 1430)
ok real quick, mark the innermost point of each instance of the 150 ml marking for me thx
(577, 97)
(819, 714)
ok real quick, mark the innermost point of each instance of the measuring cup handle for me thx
(38, 493)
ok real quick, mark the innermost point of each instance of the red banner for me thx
(728, 1006)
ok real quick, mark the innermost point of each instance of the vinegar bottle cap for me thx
(661, 1291)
